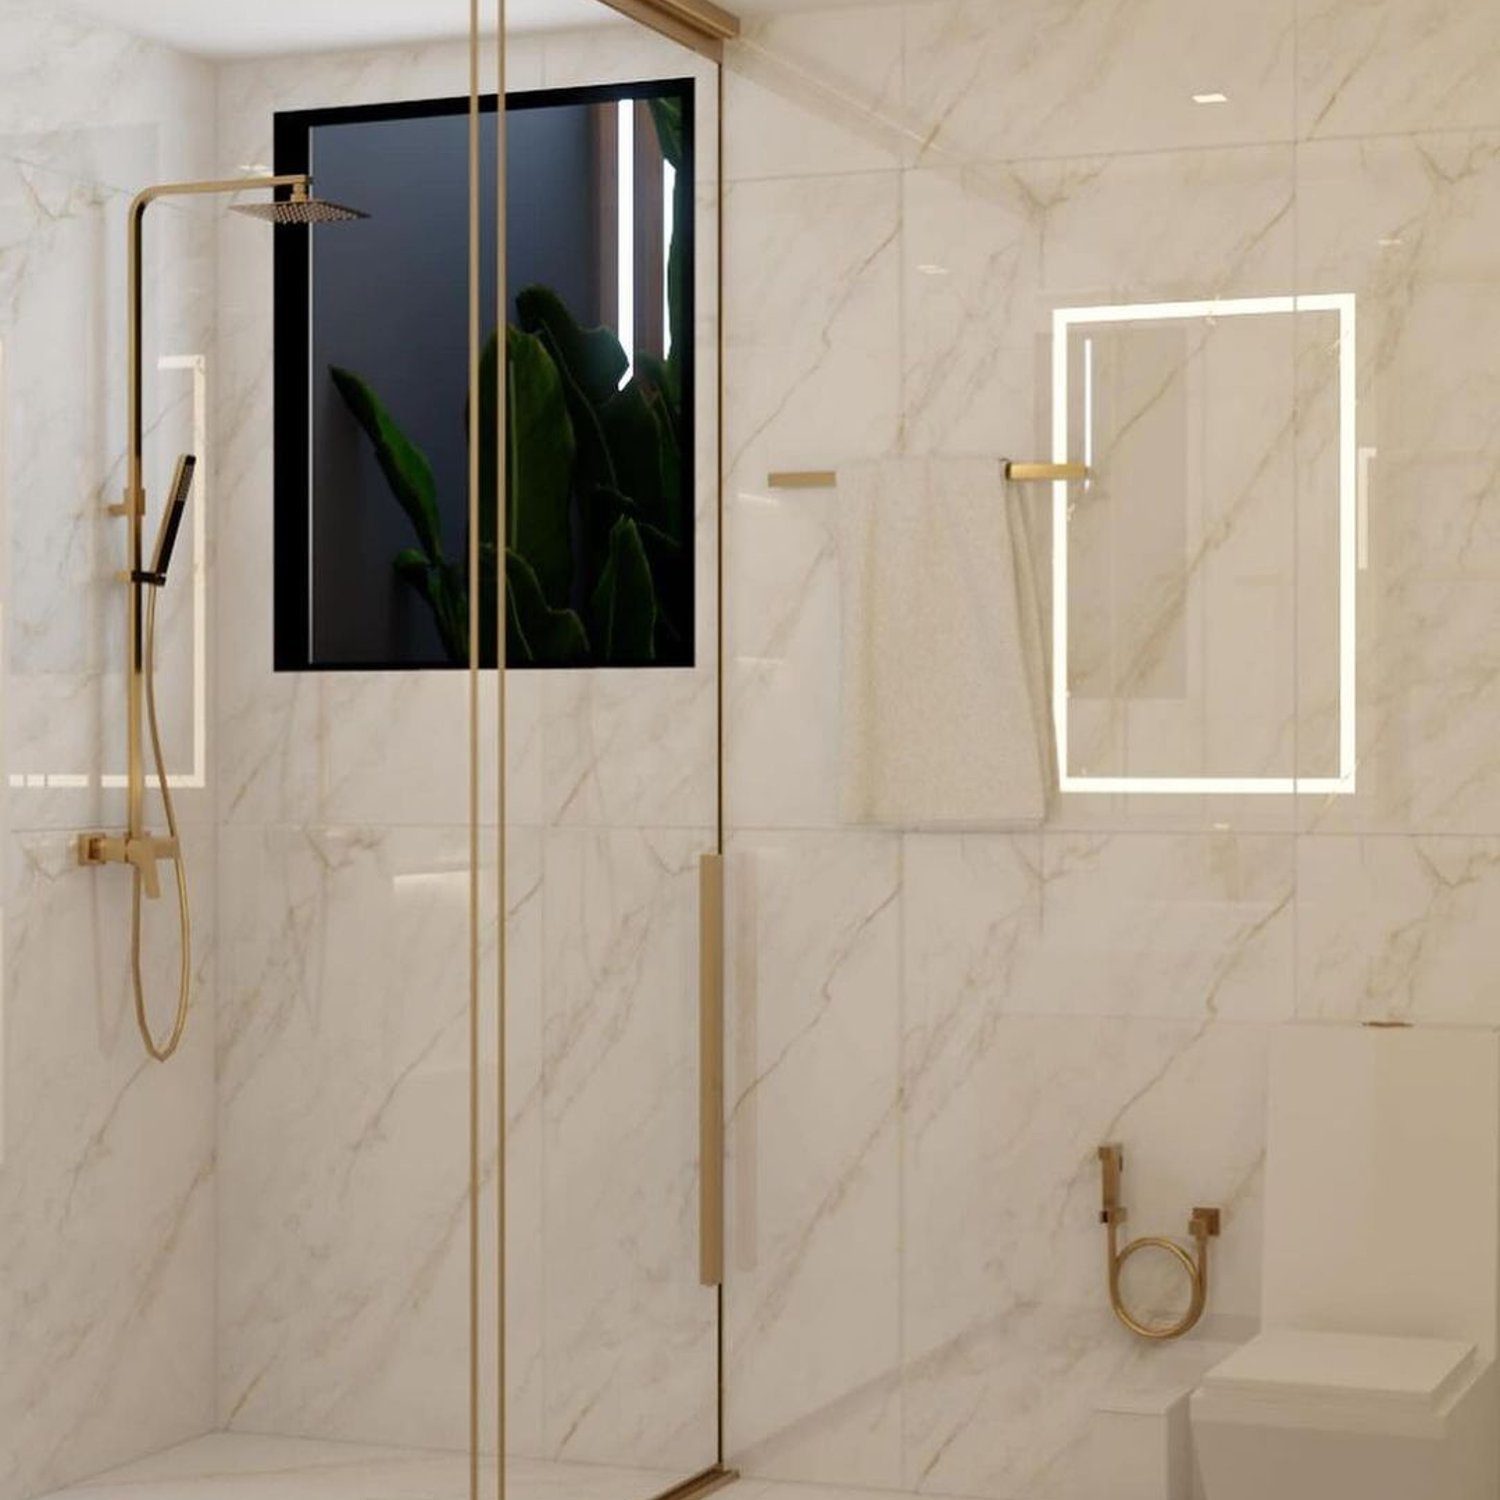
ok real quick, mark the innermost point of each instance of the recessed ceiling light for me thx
(1390, 241)
(932, 270)
(1211, 98)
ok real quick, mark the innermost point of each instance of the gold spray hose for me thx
(1203, 1226)
(162, 1052)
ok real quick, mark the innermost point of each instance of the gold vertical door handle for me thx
(711, 1070)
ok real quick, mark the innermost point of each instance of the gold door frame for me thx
(699, 24)
(704, 27)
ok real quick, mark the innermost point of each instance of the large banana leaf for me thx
(539, 473)
(537, 633)
(404, 465)
(636, 443)
(442, 587)
(595, 466)
(592, 356)
(624, 604)
(489, 496)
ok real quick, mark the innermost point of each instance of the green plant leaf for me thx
(665, 381)
(442, 588)
(593, 357)
(404, 465)
(670, 458)
(672, 578)
(666, 115)
(624, 604)
(595, 466)
(539, 474)
(671, 135)
(489, 496)
(636, 445)
(537, 633)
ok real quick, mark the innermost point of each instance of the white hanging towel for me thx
(944, 709)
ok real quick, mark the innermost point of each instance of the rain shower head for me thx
(299, 210)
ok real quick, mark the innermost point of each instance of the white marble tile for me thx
(813, 326)
(241, 1466)
(1396, 928)
(118, 95)
(1368, 67)
(1166, 226)
(971, 912)
(612, 52)
(814, 381)
(629, 1332)
(106, 1158)
(1407, 225)
(106, 1175)
(525, 1148)
(782, 663)
(343, 1133)
(1054, 78)
(812, 1325)
(1009, 1342)
(816, 92)
(629, 748)
(975, 359)
(1187, 926)
(992, 249)
(62, 269)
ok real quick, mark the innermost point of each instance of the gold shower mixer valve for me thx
(121, 849)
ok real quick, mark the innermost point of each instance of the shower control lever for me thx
(119, 849)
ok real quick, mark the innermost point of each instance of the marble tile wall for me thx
(343, 1045)
(931, 1032)
(106, 1159)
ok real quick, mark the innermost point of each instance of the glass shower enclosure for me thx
(423, 1188)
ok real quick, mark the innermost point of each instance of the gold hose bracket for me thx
(1203, 1226)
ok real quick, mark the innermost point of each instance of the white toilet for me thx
(1374, 1375)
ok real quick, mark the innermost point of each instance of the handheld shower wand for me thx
(136, 847)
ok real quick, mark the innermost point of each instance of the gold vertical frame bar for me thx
(476, 1143)
(711, 1070)
(705, 28)
(502, 472)
(721, 483)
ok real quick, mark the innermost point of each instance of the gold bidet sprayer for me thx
(1203, 1226)
(136, 847)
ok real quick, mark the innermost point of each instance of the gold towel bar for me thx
(1044, 473)
(1016, 473)
(804, 479)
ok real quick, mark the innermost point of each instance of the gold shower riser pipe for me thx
(135, 848)
(133, 505)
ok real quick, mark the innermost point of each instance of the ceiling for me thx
(222, 28)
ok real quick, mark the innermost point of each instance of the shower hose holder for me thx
(1203, 1226)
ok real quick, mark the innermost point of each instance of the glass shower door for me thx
(612, 796)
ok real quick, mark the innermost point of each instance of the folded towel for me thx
(944, 707)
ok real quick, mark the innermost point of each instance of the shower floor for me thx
(238, 1466)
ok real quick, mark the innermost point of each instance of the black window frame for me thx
(292, 497)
